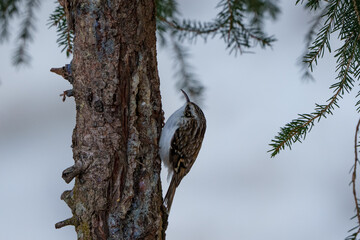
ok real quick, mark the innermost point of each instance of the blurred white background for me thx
(235, 190)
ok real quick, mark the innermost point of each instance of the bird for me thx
(180, 142)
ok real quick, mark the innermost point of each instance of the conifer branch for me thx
(183, 70)
(309, 38)
(357, 15)
(187, 80)
(317, 49)
(232, 24)
(296, 130)
(191, 29)
(344, 17)
(65, 36)
(231, 20)
(311, 4)
(353, 179)
(8, 10)
(25, 36)
(238, 23)
(165, 9)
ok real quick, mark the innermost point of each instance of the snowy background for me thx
(235, 190)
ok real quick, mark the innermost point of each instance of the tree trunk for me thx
(117, 192)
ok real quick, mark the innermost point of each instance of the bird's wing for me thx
(177, 147)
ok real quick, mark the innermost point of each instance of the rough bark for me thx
(117, 192)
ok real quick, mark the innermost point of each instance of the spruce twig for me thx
(65, 36)
(341, 17)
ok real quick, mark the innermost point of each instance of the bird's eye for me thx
(187, 112)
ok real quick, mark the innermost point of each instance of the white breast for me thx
(167, 134)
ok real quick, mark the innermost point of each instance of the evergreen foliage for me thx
(183, 70)
(342, 18)
(339, 17)
(239, 23)
(187, 79)
(8, 10)
(25, 11)
(65, 36)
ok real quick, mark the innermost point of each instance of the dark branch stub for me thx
(65, 72)
(73, 171)
(70, 221)
(67, 93)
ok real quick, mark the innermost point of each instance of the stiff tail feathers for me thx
(169, 197)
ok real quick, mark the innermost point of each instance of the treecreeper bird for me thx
(180, 143)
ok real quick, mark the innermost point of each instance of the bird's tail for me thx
(171, 192)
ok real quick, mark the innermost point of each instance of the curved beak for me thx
(186, 96)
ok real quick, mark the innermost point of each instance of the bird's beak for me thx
(186, 96)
